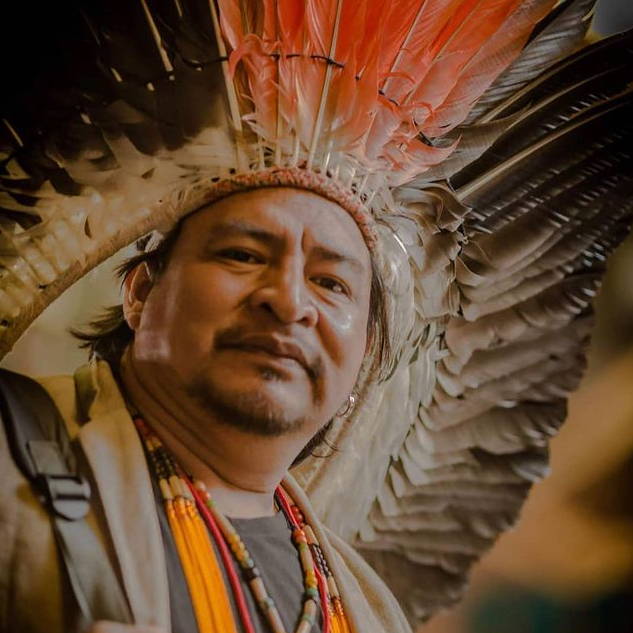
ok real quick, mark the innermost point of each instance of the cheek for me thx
(183, 313)
(345, 336)
(163, 328)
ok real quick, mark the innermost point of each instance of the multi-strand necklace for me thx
(196, 524)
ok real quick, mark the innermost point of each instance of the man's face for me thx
(261, 314)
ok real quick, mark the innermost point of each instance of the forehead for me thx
(286, 212)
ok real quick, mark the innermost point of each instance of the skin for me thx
(250, 340)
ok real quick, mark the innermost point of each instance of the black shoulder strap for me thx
(41, 448)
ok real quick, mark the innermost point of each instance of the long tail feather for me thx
(557, 35)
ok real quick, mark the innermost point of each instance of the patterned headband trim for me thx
(300, 179)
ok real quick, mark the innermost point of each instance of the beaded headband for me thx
(294, 177)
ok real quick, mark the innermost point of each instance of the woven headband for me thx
(298, 178)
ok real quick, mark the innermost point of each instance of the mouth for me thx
(275, 349)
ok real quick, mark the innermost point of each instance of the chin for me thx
(264, 408)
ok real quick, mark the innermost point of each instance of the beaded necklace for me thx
(194, 520)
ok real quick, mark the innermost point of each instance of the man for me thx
(246, 343)
(250, 340)
(323, 135)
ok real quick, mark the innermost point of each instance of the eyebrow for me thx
(329, 255)
(242, 227)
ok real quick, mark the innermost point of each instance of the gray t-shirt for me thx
(268, 539)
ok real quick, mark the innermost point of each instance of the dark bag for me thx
(42, 450)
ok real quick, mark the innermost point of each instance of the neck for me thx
(241, 470)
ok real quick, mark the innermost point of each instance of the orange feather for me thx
(495, 55)
(290, 15)
(400, 67)
(453, 49)
(231, 21)
(320, 19)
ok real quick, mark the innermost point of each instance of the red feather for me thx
(486, 65)
(320, 19)
(453, 49)
(399, 67)
(290, 15)
(261, 71)
(231, 21)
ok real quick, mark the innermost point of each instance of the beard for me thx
(251, 411)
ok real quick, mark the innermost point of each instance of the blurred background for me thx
(568, 566)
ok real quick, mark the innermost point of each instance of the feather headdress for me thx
(484, 155)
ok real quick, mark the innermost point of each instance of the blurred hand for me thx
(116, 627)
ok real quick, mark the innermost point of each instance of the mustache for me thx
(274, 343)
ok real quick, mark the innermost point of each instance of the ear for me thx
(136, 288)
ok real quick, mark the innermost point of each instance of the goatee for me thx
(251, 411)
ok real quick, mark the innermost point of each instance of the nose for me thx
(284, 293)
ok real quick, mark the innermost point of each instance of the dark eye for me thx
(239, 255)
(334, 285)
